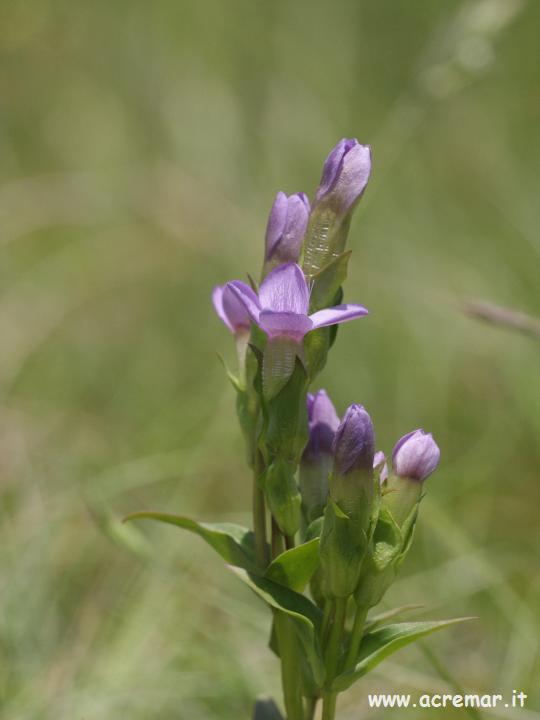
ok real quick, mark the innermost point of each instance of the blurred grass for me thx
(141, 145)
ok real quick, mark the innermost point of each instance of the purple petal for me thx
(337, 314)
(276, 223)
(345, 179)
(322, 411)
(380, 461)
(217, 300)
(285, 290)
(247, 297)
(354, 443)
(284, 324)
(416, 455)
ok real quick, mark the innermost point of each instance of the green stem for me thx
(328, 610)
(311, 707)
(356, 635)
(277, 539)
(259, 516)
(290, 666)
(332, 657)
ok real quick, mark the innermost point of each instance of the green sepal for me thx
(306, 617)
(286, 429)
(234, 543)
(283, 496)
(266, 709)
(295, 567)
(342, 549)
(279, 359)
(316, 346)
(328, 281)
(235, 382)
(382, 642)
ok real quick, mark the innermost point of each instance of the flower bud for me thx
(347, 517)
(351, 482)
(345, 176)
(317, 458)
(415, 456)
(285, 231)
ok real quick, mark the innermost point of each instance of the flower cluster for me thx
(329, 512)
(320, 477)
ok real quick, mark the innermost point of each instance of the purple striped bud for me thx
(286, 228)
(345, 175)
(415, 455)
(317, 459)
(354, 444)
(344, 178)
(351, 482)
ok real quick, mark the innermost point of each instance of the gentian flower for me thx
(351, 482)
(379, 463)
(345, 175)
(230, 310)
(344, 178)
(281, 308)
(281, 311)
(235, 317)
(285, 230)
(415, 455)
(316, 463)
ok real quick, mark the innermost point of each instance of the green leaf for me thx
(327, 282)
(234, 543)
(295, 567)
(379, 644)
(305, 615)
(266, 709)
(380, 618)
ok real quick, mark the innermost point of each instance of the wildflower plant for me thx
(332, 520)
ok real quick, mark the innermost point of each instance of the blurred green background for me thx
(141, 146)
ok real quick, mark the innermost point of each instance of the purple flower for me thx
(323, 421)
(231, 311)
(286, 228)
(415, 455)
(354, 443)
(281, 308)
(316, 462)
(345, 175)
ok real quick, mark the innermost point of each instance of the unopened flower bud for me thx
(345, 176)
(415, 456)
(351, 481)
(285, 231)
(347, 517)
(317, 458)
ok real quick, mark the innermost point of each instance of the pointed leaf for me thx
(381, 618)
(379, 644)
(233, 542)
(305, 615)
(266, 709)
(295, 567)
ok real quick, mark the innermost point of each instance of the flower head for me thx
(415, 455)
(231, 311)
(286, 227)
(281, 308)
(345, 175)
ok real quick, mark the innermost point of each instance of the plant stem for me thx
(290, 666)
(327, 617)
(259, 516)
(332, 657)
(311, 707)
(356, 635)
(277, 539)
